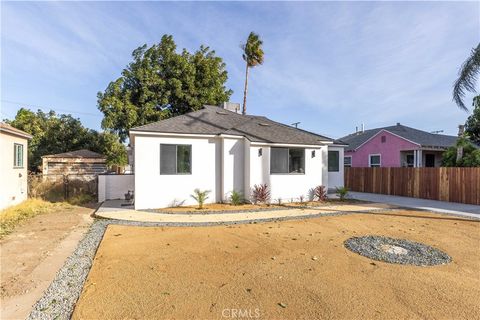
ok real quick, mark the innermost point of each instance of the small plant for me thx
(302, 198)
(236, 198)
(320, 193)
(260, 193)
(200, 196)
(342, 192)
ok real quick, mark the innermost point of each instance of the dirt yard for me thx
(32, 254)
(283, 270)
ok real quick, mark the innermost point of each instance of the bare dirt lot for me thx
(32, 254)
(283, 270)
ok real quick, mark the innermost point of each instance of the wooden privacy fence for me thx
(446, 184)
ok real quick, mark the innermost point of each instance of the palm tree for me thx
(467, 78)
(253, 56)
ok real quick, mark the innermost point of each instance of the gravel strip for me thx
(61, 296)
(399, 251)
(59, 299)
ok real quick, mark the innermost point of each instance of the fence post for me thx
(65, 187)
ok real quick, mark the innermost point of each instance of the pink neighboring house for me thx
(395, 146)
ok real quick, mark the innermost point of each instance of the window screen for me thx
(279, 160)
(347, 161)
(374, 161)
(333, 161)
(296, 163)
(175, 159)
(285, 160)
(17, 155)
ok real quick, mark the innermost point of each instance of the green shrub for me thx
(200, 196)
(342, 192)
(236, 198)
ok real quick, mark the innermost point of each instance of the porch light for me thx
(260, 152)
(313, 154)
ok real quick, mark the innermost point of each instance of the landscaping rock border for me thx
(400, 251)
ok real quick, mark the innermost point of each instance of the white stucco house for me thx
(221, 150)
(13, 172)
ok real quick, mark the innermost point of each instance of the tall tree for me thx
(472, 125)
(470, 155)
(467, 78)
(160, 83)
(56, 133)
(253, 56)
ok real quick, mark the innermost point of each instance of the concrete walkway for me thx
(467, 210)
(112, 210)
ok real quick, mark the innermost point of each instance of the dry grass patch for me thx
(12, 216)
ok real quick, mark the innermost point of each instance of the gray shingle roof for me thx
(215, 120)
(83, 153)
(423, 138)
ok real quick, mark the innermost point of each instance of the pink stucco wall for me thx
(389, 150)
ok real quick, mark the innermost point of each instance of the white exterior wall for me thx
(220, 164)
(113, 186)
(291, 186)
(233, 166)
(336, 179)
(286, 186)
(13, 181)
(153, 190)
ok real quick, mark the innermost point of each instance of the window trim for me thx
(15, 145)
(370, 160)
(176, 160)
(338, 161)
(348, 165)
(288, 162)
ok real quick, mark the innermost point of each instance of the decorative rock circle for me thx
(397, 251)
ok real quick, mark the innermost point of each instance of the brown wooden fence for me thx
(446, 184)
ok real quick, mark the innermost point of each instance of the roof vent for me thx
(221, 112)
(398, 123)
(263, 124)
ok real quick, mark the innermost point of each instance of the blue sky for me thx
(329, 65)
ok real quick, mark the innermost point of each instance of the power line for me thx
(50, 108)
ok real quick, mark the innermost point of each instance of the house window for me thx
(374, 160)
(384, 139)
(410, 160)
(18, 155)
(333, 161)
(287, 160)
(175, 159)
(347, 161)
